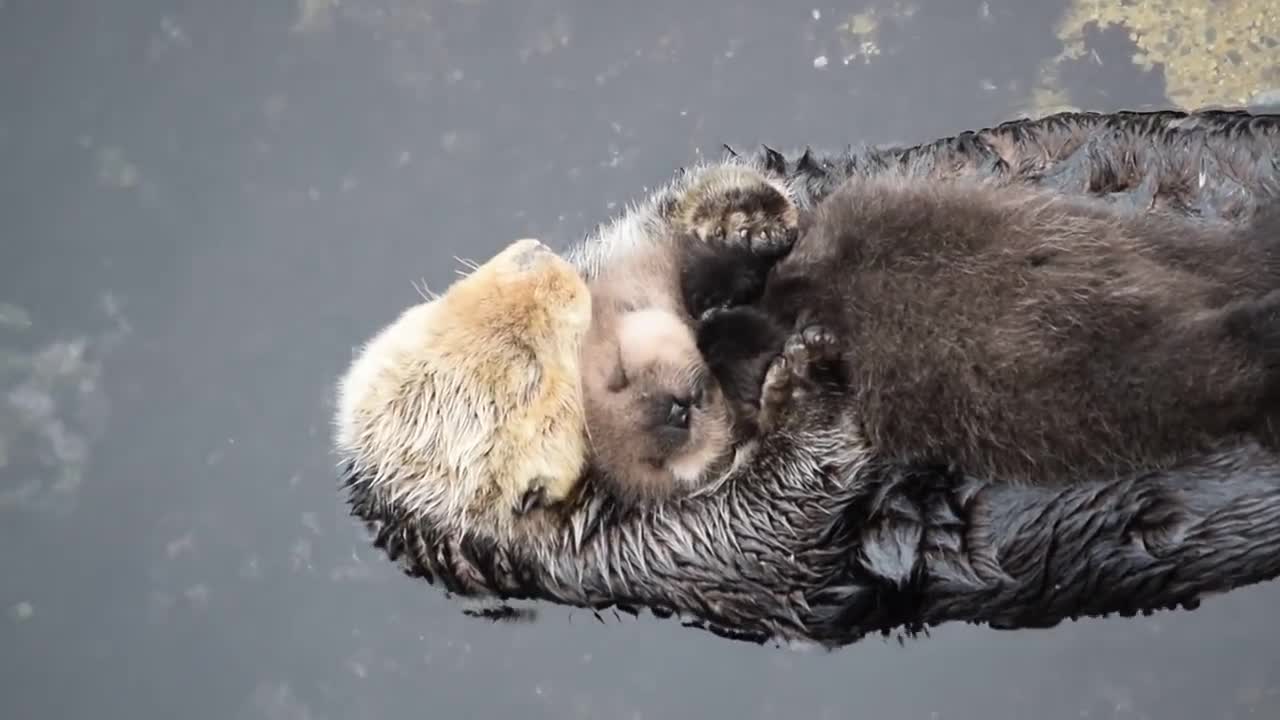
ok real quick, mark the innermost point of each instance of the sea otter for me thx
(488, 387)
(658, 422)
(773, 552)
(663, 422)
(664, 428)
(659, 426)
(1014, 333)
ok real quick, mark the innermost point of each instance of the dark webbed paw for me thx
(736, 205)
(720, 276)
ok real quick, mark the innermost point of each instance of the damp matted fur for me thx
(813, 541)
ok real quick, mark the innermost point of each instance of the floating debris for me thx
(22, 611)
(861, 30)
(14, 317)
(114, 170)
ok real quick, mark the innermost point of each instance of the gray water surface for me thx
(205, 205)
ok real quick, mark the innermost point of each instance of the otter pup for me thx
(664, 421)
(1015, 334)
(658, 422)
(468, 407)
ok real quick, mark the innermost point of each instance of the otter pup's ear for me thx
(617, 381)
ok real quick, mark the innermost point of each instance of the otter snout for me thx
(529, 254)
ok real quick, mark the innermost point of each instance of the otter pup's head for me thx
(659, 423)
(468, 408)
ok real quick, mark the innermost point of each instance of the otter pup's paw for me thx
(776, 392)
(815, 344)
(737, 205)
(789, 375)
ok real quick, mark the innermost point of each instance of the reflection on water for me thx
(208, 204)
(1210, 53)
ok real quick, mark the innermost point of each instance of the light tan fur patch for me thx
(467, 400)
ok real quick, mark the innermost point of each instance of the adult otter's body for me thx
(813, 541)
(1018, 334)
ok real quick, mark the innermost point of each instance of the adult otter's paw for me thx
(738, 205)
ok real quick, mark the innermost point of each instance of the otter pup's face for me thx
(658, 421)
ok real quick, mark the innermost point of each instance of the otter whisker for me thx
(420, 286)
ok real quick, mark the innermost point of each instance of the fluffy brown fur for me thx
(1016, 334)
(659, 425)
(478, 390)
(658, 422)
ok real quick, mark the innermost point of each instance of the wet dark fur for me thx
(1020, 335)
(1147, 161)
(801, 546)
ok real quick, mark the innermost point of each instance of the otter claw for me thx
(818, 337)
(747, 211)
(813, 344)
(795, 346)
(774, 239)
(767, 236)
(710, 313)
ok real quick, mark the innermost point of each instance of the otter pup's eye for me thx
(678, 414)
